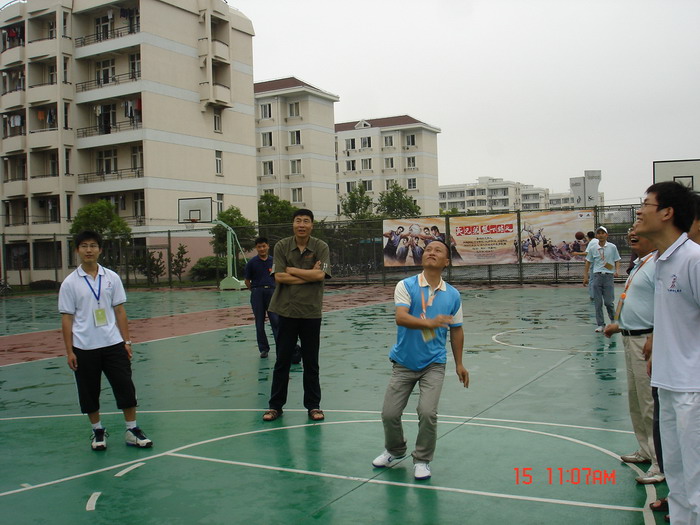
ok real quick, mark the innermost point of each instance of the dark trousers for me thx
(657, 430)
(308, 331)
(260, 301)
(114, 362)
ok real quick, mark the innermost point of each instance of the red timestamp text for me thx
(565, 476)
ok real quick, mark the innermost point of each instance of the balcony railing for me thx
(12, 90)
(44, 175)
(92, 131)
(100, 82)
(54, 128)
(49, 83)
(101, 176)
(14, 178)
(47, 220)
(100, 37)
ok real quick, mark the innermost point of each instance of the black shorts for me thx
(114, 362)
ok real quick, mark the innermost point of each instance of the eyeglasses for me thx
(91, 246)
(645, 204)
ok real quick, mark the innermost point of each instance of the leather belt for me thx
(637, 332)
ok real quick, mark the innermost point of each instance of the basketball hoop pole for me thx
(230, 282)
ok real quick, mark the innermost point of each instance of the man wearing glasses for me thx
(604, 261)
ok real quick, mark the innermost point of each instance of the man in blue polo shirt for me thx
(604, 261)
(261, 283)
(426, 306)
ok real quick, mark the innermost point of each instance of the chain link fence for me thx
(185, 257)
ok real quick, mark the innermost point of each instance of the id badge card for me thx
(608, 266)
(428, 334)
(100, 316)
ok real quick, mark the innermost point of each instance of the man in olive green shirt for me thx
(301, 265)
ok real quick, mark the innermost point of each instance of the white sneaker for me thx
(650, 478)
(386, 460)
(635, 457)
(600, 329)
(421, 471)
(136, 438)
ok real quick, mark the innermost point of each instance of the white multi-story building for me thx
(490, 194)
(295, 144)
(141, 102)
(384, 151)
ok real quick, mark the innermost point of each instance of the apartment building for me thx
(295, 139)
(140, 102)
(490, 194)
(377, 153)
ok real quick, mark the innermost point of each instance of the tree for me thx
(273, 210)
(244, 228)
(100, 217)
(151, 265)
(451, 211)
(179, 261)
(356, 204)
(396, 203)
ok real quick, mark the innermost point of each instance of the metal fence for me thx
(158, 257)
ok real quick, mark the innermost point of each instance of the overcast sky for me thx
(535, 91)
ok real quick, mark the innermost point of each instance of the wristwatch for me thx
(127, 342)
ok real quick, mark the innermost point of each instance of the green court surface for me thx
(547, 394)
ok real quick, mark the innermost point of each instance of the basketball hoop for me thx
(191, 224)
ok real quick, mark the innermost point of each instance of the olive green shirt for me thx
(300, 301)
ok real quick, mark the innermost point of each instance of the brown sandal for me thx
(316, 414)
(271, 414)
(660, 505)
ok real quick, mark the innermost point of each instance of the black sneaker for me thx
(263, 355)
(136, 438)
(99, 439)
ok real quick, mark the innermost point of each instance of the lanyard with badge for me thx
(428, 333)
(623, 296)
(98, 314)
(601, 252)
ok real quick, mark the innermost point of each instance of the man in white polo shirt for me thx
(666, 214)
(635, 320)
(96, 335)
(604, 261)
(426, 308)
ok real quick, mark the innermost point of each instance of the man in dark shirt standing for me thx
(261, 283)
(301, 265)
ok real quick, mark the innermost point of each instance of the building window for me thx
(69, 206)
(122, 202)
(295, 137)
(388, 141)
(350, 165)
(294, 109)
(219, 162)
(107, 161)
(350, 186)
(366, 164)
(136, 157)
(297, 195)
(389, 163)
(267, 167)
(66, 107)
(349, 144)
(268, 192)
(389, 183)
(266, 139)
(51, 74)
(366, 142)
(367, 184)
(410, 162)
(53, 164)
(411, 184)
(265, 111)
(295, 166)
(105, 71)
(217, 120)
(139, 204)
(65, 70)
(219, 203)
(410, 140)
(135, 66)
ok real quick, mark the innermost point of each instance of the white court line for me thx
(92, 501)
(494, 338)
(412, 485)
(128, 469)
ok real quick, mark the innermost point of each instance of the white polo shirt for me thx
(638, 307)
(78, 298)
(676, 353)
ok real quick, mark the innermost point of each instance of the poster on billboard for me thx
(405, 239)
(554, 236)
(484, 239)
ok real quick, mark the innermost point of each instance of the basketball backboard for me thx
(194, 210)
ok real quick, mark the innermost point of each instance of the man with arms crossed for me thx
(666, 214)
(426, 306)
(302, 264)
(635, 319)
(96, 334)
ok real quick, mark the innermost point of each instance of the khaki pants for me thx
(641, 402)
(401, 384)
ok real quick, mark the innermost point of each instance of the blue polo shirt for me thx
(259, 272)
(410, 349)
